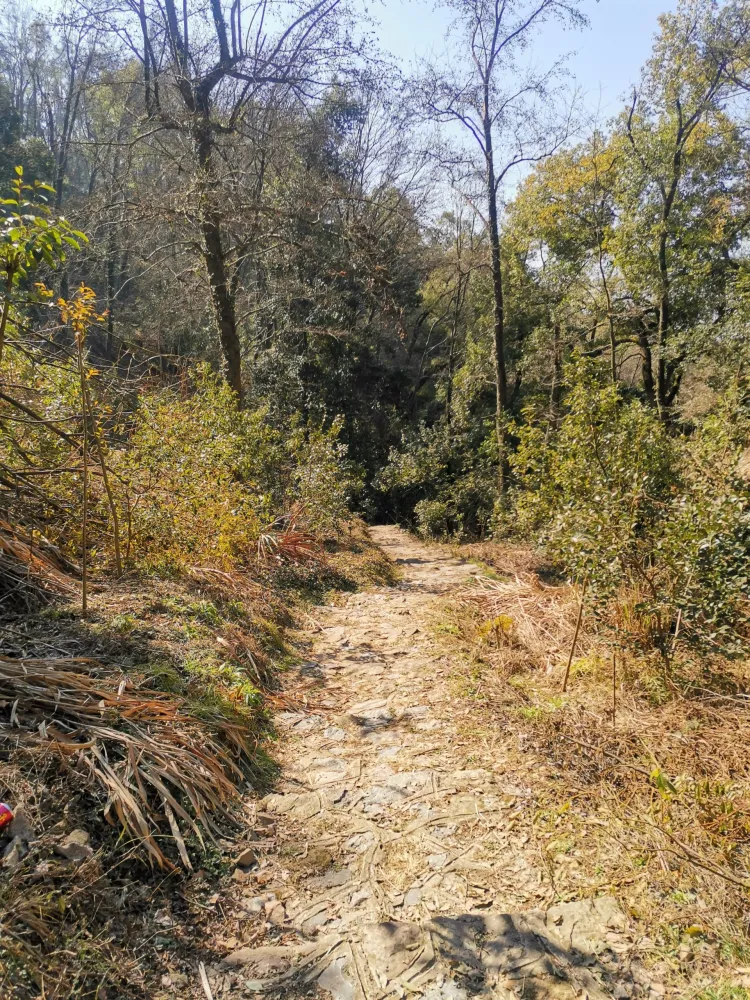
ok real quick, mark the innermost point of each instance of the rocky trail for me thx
(401, 851)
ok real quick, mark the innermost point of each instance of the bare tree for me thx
(204, 68)
(503, 108)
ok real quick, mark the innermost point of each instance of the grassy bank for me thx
(641, 770)
(141, 733)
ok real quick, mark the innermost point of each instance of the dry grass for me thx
(525, 620)
(645, 775)
(32, 570)
(163, 771)
(287, 541)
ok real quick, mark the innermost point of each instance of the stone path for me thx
(403, 868)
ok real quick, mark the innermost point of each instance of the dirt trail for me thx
(402, 866)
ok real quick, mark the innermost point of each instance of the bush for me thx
(189, 470)
(446, 474)
(437, 518)
(658, 525)
(205, 477)
(323, 481)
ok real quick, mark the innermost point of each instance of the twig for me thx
(85, 511)
(575, 636)
(614, 688)
(697, 860)
(204, 981)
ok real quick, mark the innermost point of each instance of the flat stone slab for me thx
(372, 713)
(581, 949)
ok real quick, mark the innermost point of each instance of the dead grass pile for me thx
(32, 570)
(525, 622)
(165, 774)
(288, 541)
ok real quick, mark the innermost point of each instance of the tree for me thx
(678, 206)
(204, 70)
(502, 107)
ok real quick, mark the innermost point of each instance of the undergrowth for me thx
(643, 776)
(207, 645)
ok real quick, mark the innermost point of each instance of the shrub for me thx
(437, 518)
(205, 477)
(446, 475)
(658, 525)
(323, 481)
(194, 471)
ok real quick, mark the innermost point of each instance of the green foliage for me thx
(323, 482)
(29, 236)
(204, 477)
(724, 991)
(186, 468)
(446, 473)
(658, 524)
(31, 153)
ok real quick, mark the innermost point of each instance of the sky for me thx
(606, 58)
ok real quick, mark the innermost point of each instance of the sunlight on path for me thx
(407, 866)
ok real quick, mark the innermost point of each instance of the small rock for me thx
(75, 847)
(246, 858)
(360, 896)
(334, 982)
(412, 897)
(371, 714)
(255, 904)
(20, 826)
(275, 913)
(313, 924)
(163, 918)
(14, 853)
(415, 712)
(331, 879)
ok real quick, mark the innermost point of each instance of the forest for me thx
(262, 286)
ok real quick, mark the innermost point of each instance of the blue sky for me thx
(607, 56)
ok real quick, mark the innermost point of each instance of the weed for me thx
(536, 713)
(724, 991)
(123, 624)
(448, 628)
(206, 612)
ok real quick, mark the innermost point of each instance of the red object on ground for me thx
(6, 816)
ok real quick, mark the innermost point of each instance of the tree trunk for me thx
(216, 265)
(110, 301)
(556, 393)
(662, 387)
(498, 340)
(647, 370)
